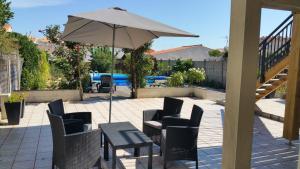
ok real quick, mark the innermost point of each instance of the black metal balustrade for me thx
(275, 47)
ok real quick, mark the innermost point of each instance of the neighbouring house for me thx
(194, 52)
(43, 44)
(7, 27)
(215, 67)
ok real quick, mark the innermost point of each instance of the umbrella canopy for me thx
(131, 30)
(117, 28)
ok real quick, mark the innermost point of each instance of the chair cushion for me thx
(73, 125)
(154, 124)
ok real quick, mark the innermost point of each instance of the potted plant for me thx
(13, 107)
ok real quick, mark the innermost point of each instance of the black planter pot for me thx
(13, 112)
(22, 108)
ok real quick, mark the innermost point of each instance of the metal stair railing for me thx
(275, 47)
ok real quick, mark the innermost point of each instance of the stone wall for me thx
(10, 73)
(40, 96)
(200, 92)
(209, 93)
(215, 70)
(164, 92)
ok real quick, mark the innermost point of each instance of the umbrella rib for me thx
(77, 29)
(153, 34)
(106, 24)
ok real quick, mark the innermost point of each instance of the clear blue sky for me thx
(208, 18)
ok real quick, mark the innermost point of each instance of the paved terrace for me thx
(29, 145)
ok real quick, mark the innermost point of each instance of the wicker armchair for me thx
(74, 122)
(78, 150)
(179, 137)
(152, 118)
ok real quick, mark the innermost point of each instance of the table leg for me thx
(106, 155)
(114, 158)
(150, 156)
(136, 152)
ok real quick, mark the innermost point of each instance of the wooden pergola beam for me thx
(289, 5)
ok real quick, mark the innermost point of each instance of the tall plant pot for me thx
(13, 112)
(22, 108)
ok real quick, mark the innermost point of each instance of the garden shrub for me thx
(182, 66)
(215, 53)
(176, 79)
(44, 71)
(143, 67)
(35, 64)
(86, 83)
(101, 59)
(163, 68)
(195, 75)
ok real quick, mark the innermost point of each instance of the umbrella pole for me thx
(112, 71)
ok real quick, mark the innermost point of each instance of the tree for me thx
(162, 68)
(215, 53)
(31, 55)
(28, 51)
(5, 12)
(182, 66)
(7, 43)
(72, 54)
(101, 59)
(44, 69)
(136, 62)
(53, 33)
(143, 66)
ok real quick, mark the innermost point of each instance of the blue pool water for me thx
(122, 79)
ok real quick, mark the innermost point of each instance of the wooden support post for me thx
(299, 161)
(292, 107)
(241, 83)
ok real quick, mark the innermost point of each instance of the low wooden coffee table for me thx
(124, 135)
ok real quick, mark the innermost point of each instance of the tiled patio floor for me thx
(29, 145)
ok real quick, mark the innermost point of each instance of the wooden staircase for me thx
(277, 77)
(274, 59)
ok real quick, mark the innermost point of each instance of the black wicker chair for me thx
(78, 150)
(74, 122)
(152, 118)
(179, 137)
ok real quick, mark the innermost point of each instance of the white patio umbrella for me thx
(118, 28)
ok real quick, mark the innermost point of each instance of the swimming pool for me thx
(122, 79)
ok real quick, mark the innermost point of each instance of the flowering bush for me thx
(195, 75)
(176, 79)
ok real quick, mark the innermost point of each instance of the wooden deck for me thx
(29, 145)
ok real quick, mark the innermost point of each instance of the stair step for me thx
(282, 74)
(274, 80)
(258, 96)
(261, 91)
(266, 85)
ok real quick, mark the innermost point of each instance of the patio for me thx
(29, 145)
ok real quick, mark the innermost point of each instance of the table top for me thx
(124, 134)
